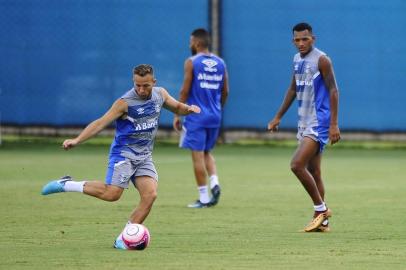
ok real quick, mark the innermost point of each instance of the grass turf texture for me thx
(255, 225)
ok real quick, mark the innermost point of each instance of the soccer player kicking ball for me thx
(136, 114)
(314, 85)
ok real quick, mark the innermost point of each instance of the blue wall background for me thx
(65, 62)
(365, 40)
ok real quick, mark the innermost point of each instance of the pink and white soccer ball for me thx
(136, 236)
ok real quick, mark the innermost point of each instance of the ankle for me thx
(320, 207)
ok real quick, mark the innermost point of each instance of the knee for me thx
(150, 196)
(296, 166)
(112, 196)
(153, 195)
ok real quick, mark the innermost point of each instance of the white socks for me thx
(73, 186)
(320, 208)
(214, 180)
(204, 194)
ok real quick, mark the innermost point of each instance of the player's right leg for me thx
(93, 188)
(119, 172)
(103, 191)
(214, 181)
(308, 148)
(119, 169)
(210, 164)
(56, 186)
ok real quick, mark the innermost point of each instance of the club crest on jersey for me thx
(210, 65)
(140, 110)
(157, 107)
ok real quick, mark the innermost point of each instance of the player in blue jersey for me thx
(206, 85)
(136, 115)
(314, 86)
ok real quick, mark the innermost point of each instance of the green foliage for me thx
(255, 225)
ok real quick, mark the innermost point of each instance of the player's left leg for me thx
(148, 190)
(314, 167)
(199, 169)
(194, 138)
(147, 187)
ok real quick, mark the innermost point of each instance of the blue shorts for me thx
(318, 134)
(122, 170)
(198, 138)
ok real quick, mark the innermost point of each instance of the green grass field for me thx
(255, 225)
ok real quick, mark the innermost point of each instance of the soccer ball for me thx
(136, 236)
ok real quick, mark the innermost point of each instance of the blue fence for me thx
(362, 38)
(65, 62)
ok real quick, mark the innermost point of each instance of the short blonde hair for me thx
(143, 69)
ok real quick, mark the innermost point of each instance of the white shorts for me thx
(121, 171)
(317, 134)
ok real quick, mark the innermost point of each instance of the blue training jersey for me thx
(135, 133)
(207, 85)
(311, 92)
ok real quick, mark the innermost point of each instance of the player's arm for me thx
(326, 70)
(184, 91)
(187, 81)
(290, 96)
(118, 108)
(178, 107)
(224, 91)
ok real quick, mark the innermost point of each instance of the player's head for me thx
(303, 37)
(199, 40)
(144, 80)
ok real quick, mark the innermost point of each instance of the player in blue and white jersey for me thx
(314, 86)
(206, 85)
(136, 115)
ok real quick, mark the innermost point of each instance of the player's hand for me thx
(69, 143)
(334, 134)
(177, 123)
(193, 109)
(273, 125)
